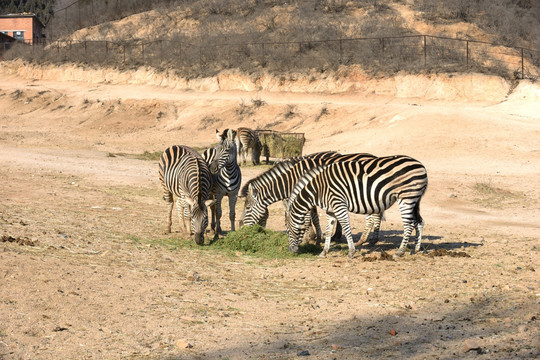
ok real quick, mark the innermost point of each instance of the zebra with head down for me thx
(184, 174)
(366, 187)
(247, 139)
(277, 183)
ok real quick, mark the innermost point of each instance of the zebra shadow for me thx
(391, 239)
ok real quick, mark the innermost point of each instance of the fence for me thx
(385, 54)
(281, 145)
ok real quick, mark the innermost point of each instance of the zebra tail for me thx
(416, 211)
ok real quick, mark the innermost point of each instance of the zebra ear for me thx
(218, 135)
(252, 192)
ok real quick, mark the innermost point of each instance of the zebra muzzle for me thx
(293, 248)
(199, 238)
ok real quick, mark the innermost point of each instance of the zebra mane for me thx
(278, 169)
(305, 179)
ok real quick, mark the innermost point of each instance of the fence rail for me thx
(393, 53)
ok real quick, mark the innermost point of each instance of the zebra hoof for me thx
(397, 255)
(351, 253)
(323, 254)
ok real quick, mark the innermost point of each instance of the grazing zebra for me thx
(184, 174)
(227, 176)
(367, 187)
(248, 139)
(277, 184)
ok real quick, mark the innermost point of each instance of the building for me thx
(25, 27)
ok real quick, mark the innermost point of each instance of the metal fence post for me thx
(341, 51)
(522, 65)
(425, 50)
(467, 53)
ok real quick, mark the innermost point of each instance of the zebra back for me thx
(364, 187)
(248, 139)
(181, 168)
(277, 183)
(209, 155)
(371, 186)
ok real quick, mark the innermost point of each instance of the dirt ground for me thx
(82, 275)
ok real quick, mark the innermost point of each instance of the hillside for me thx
(204, 38)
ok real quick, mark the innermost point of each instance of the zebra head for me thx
(254, 211)
(225, 151)
(297, 225)
(199, 218)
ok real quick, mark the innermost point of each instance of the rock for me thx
(471, 344)
(181, 344)
(303, 353)
(393, 332)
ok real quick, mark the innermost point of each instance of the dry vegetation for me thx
(205, 37)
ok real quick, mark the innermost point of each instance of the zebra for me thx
(248, 139)
(367, 187)
(277, 184)
(184, 174)
(227, 176)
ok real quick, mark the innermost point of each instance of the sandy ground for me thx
(82, 274)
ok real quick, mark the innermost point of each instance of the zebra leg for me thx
(169, 220)
(330, 223)
(367, 230)
(183, 213)
(407, 215)
(316, 226)
(373, 224)
(233, 197)
(219, 198)
(419, 228)
(376, 218)
(343, 218)
(213, 217)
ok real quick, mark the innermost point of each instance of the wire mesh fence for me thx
(413, 53)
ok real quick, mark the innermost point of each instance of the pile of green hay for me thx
(260, 242)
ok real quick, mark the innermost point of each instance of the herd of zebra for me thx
(358, 183)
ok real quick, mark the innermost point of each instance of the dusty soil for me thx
(82, 274)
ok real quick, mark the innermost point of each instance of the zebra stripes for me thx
(366, 187)
(248, 139)
(277, 184)
(184, 174)
(227, 177)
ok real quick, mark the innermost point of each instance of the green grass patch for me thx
(255, 241)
